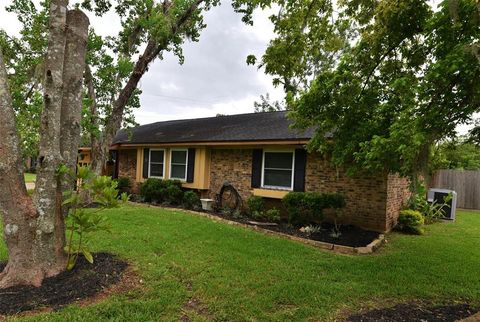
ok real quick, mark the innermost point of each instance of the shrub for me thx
(272, 215)
(124, 184)
(153, 190)
(157, 190)
(191, 200)
(305, 207)
(411, 221)
(255, 206)
(173, 193)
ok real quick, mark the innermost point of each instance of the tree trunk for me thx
(100, 147)
(34, 229)
(74, 65)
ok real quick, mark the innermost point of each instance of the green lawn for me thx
(238, 274)
(30, 177)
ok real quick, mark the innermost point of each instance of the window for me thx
(278, 170)
(178, 164)
(156, 164)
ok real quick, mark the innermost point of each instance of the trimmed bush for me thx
(411, 221)
(162, 191)
(307, 207)
(256, 206)
(191, 200)
(152, 190)
(272, 215)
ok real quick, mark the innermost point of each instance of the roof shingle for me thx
(268, 126)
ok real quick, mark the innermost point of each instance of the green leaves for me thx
(381, 81)
(81, 222)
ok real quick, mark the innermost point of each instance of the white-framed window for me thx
(278, 169)
(156, 164)
(178, 164)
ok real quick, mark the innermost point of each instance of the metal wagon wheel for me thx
(228, 198)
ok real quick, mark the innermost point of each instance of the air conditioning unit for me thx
(438, 196)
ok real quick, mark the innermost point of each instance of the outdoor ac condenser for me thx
(438, 195)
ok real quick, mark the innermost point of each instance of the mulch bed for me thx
(84, 281)
(351, 236)
(412, 312)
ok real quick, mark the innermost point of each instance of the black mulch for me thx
(412, 312)
(351, 236)
(84, 281)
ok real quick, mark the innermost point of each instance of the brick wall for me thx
(365, 196)
(127, 166)
(234, 166)
(397, 195)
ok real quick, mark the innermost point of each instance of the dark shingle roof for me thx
(231, 128)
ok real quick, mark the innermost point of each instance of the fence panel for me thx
(465, 183)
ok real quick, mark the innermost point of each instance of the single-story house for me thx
(259, 154)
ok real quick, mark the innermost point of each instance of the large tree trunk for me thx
(34, 229)
(100, 147)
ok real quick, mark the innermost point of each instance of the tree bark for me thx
(100, 148)
(71, 112)
(34, 229)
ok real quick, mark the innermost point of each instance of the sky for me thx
(215, 77)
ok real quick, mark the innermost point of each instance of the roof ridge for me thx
(210, 117)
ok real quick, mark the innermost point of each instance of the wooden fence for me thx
(465, 183)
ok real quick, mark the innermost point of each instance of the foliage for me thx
(457, 154)
(162, 191)
(411, 221)
(431, 211)
(266, 105)
(311, 229)
(124, 184)
(256, 206)
(81, 222)
(191, 200)
(387, 78)
(272, 215)
(306, 207)
(111, 60)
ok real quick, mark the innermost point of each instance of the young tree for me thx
(34, 228)
(388, 78)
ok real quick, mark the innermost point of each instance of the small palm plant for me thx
(82, 222)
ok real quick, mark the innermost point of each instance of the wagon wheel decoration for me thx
(228, 198)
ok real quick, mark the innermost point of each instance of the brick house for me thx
(259, 155)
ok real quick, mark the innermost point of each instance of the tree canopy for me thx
(389, 78)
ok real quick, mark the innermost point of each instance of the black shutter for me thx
(191, 165)
(257, 167)
(299, 174)
(146, 161)
(115, 155)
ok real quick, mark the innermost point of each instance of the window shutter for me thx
(191, 165)
(299, 171)
(257, 167)
(146, 161)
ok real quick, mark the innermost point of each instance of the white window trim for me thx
(184, 179)
(263, 169)
(150, 162)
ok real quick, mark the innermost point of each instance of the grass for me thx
(241, 275)
(30, 177)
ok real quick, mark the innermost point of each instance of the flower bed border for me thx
(341, 249)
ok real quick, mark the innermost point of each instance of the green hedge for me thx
(307, 207)
(162, 191)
